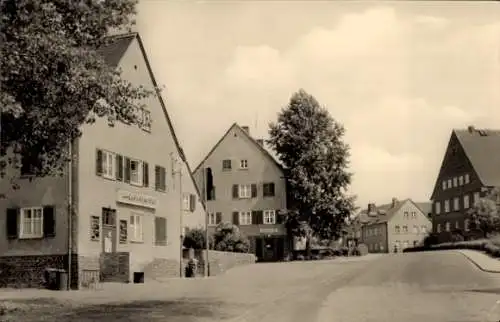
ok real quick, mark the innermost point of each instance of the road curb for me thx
(476, 264)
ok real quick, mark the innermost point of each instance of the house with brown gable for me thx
(392, 227)
(249, 190)
(116, 213)
(469, 170)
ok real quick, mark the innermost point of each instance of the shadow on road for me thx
(154, 310)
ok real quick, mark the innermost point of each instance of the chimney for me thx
(246, 129)
(371, 208)
(394, 202)
(471, 128)
(261, 142)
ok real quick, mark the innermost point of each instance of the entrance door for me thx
(109, 264)
(258, 248)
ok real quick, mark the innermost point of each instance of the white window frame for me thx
(437, 207)
(32, 232)
(444, 185)
(447, 226)
(449, 183)
(461, 180)
(455, 182)
(466, 224)
(405, 229)
(413, 215)
(466, 179)
(108, 165)
(423, 229)
(212, 219)
(136, 224)
(245, 191)
(438, 228)
(466, 201)
(185, 202)
(447, 206)
(457, 225)
(406, 215)
(269, 217)
(245, 217)
(456, 203)
(140, 167)
(244, 164)
(477, 196)
(397, 229)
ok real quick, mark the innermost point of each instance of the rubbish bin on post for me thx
(56, 279)
(62, 280)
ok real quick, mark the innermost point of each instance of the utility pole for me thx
(204, 201)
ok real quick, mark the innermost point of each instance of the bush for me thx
(227, 238)
(195, 238)
(430, 240)
(485, 245)
(362, 249)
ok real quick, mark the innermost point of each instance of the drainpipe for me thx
(70, 213)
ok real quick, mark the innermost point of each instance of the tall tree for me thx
(485, 213)
(52, 79)
(309, 144)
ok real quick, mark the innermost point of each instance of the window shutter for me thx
(192, 202)
(218, 217)
(235, 191)
(160, 231)
(260, 217)
(254, 191)
(157, 178)
(236, 218)
(119, 167)
(49, 223)
(145, 174)
(212, 193)
(98, 162)
(163, 176)
(271, 189)
(127, 170)
(254, 218)
(280, 218)
(12, 226)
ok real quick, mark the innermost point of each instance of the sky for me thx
(398, 75)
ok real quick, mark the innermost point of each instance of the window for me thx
(413, 215)
(31, 223)
(461, 180)
(185, 202)
(108, 217)
(123, 234)
(456, 203)
(226, 165)
(161, 231)
(243, 164)
(449, 183)
(466, 178)
(466, 224)
(446, 206)
(406, 215)
(144, 118)
(415, 229)
(212, 219)
(136, 172)
(438, 228)
(136, 227)
(437, 208)
(245, 191)
(269, 217)
(268, 189)
(397, 229)
(466, 201)
(405, 229)
(95, 230)
(457, 225)
(160, 178)
(444, 184)
(423, 229)
(455, 182)
(447, 226)
(245, 218)
(108, 165)
(476, 197)
(405, 244)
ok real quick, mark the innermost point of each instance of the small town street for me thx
(437, 286)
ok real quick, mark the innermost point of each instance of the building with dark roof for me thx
(470, 168)
(392, 227)
(119, 209)
(249, 191)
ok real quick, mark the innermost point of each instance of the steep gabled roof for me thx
(482, 147)
(260, 147)
(384, 213)
(425, 207)
(113, 52)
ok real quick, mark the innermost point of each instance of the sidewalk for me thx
(481, 260)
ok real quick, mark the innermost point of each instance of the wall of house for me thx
(96, 192)
(412, 236)
(375, 237)
(195, 218)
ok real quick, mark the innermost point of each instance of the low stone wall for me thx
(219, 262)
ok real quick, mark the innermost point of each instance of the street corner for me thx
(481, 260)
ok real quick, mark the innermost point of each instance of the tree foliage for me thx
(52, 79)
(309, 144)
(228, 238)
(485, 213)
(195, 238)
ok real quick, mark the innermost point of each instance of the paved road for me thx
(441, 287)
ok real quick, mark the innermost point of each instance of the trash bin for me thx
(56, 279)
(62, 277)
